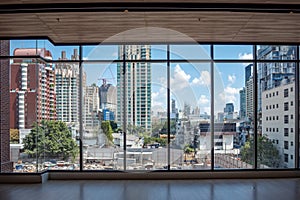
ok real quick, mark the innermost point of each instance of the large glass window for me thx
(277, 80)
(233, 111)
(148, 107)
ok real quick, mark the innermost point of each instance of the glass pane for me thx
(45, 142)
(100, 143)
(238, 52)
(100, 52)
(186, 52)
(233, 106)
(136, 52)
(37, 47)
(31, 45)
(190, 110)
(44, 112)
(276, 104)
(268, 52)
(158, 52)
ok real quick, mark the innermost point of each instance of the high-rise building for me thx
(32, 89)
(248, 72)
(67, 90)
(91, 107)
(5, 164)
(243, 103)
(278, 120)
(108, 96)
(229, 108)
(271, 74)
(134, 87)
(173, 110)
(249, 99)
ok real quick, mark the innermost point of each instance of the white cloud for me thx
(205, 109)
(231, 78)
(159, 97)
(229, 95)
(204, 79)
(203, 100)
(180, 79)
(246, 56)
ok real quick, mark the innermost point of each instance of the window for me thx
(286, 106)
(286, 119)
(292, 116)
(292, 89)
(286, 132)
(286, 157)
(286, 93)
(292, 143)
(292, 103)
(286, 145)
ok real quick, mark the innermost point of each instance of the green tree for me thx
(51, 139)
(107, 130)
(267, 153)
(114, 126)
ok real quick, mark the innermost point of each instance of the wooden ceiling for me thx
(160, 24)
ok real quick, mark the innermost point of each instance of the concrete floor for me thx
(232, 189)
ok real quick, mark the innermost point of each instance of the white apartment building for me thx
(91, 107)
(278, 119)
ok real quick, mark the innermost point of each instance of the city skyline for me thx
(193, 78)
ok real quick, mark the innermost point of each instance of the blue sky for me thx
(190, 82)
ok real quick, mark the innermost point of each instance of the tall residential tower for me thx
(134, 87)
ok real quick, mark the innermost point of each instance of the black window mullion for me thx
(168, 107)
(212, 109)
(255, 102)
(297, 110)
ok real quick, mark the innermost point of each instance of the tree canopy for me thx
(51, 139)
(267, 153)
(107, 130)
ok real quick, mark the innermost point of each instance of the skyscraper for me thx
(134, 87)
(243, 103)
(271, 74)
(67, 90)
(229, 108)
(32, 92)
(249, 99)
(107, 94)
(91, 107)
(248, 72)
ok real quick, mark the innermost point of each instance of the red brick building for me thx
(32, 88)
(5, 164)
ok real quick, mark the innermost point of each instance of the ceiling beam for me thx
(149, 7)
